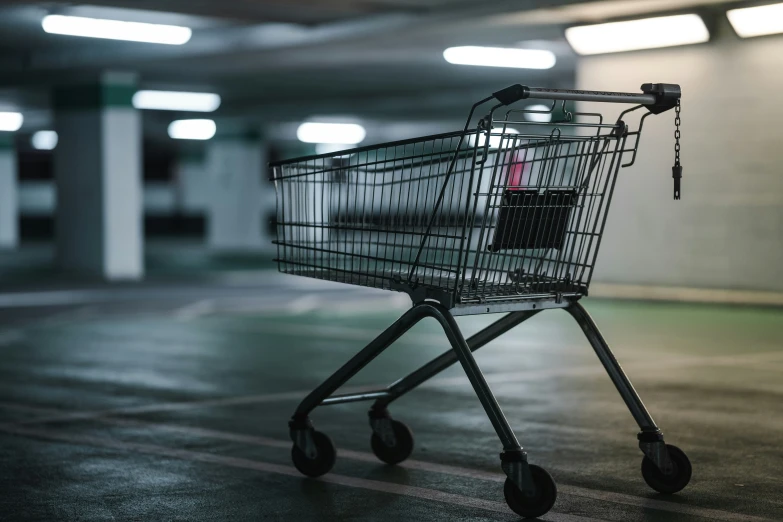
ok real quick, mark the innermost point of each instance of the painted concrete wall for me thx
(97, 167)
(727, 231)
(236, 195)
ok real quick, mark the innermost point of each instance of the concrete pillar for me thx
(98, 173)
(9, 193)
(239, 194)
(190, 180)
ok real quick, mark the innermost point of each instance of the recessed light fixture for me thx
(116, 29)
(44, 140)
(633, 35)
(192, 129)
(340, 133)
(11, 121)
(176, 101)
(500, 57)
(757, 21)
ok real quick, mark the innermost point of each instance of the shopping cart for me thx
(505, 215)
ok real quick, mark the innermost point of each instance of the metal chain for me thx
(677, 135)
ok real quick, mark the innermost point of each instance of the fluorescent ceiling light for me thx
(192, 129)
(328, 148)
(757, 21)
(648, 33)
(44, 140)
(500, 57)
(543, 113)
(116, 29)
(176, 101)
(10, 121)
(342, 133)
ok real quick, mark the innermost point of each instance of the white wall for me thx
(727, 231)
(97, 168)
(236, 195)
(191, 187)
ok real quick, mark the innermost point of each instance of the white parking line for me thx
(605, 496)
(194, 310)
(179, 406)
(255, 465)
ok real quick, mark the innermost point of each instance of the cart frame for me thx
(667, 469)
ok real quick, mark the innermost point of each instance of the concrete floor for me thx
(169, 401)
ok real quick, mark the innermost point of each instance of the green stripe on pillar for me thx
(247, 136)
(93, 96)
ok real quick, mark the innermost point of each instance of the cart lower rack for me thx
(505, 215)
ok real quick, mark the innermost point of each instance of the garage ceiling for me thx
(281, 60)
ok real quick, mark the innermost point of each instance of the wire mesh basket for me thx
(507, 211)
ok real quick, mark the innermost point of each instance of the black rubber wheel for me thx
(674, 481)
(401, 450)
(538, 504)
(323, 461)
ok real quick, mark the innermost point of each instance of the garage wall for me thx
(727, 231)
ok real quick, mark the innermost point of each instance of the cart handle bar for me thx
(657, 97)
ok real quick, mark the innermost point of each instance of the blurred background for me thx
(136, 255)
(264, 68)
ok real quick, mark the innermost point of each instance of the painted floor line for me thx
(179, 406)
(606, 496)
(194, 310)
(255, 465)
(436, 383)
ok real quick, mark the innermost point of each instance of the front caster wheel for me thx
(672, 482)
(403, 446)
(537, 504)
(323, 461)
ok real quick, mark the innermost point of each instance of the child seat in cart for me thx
(503, 216)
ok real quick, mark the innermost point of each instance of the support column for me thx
(239, 195)
(9, 193)
(98, 173)
(190, 180)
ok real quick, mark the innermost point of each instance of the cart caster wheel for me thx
(400, 451)
(538, 504)
(674, 481)
(323, 461)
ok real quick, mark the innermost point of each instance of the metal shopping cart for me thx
(505, 215)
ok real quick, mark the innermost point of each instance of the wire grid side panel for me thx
(541, 207)
(364, 219)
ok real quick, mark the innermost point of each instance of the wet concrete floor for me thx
(170, 402)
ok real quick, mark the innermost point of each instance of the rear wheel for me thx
(403, 446)
(532, 506)
(671, 482)
(324, 458)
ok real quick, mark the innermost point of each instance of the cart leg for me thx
(361, 359)
(306, 449)
(650, 438)
(445, 360)
(514, 458)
